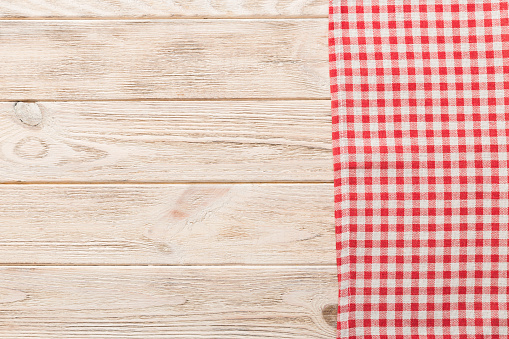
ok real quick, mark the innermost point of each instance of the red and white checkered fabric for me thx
(420, 96)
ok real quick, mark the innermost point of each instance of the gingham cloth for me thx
(420, 97)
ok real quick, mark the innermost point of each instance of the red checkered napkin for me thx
(420, 93)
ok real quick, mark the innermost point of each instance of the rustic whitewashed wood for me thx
(166, 141)
(163, 8)
(139, 133)
(167, 224)
(163, 59)
(167, 302)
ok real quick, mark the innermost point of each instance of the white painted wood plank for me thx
(163, 59)
(274, 224)
(162, 8)
(171, 302)
(166, 141)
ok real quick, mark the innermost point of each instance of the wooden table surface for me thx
(166, 170)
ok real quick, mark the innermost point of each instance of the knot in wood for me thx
(330, 314)
(29, 113)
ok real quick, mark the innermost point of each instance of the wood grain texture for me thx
(162, 8)
(130, 138)
(272, 224)
(163, 59)
(235, 141)
(148, 303)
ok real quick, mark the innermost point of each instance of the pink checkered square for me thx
(420, 98)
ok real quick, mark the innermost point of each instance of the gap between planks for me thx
(134, 18)
(169, 266)
(138, 183)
